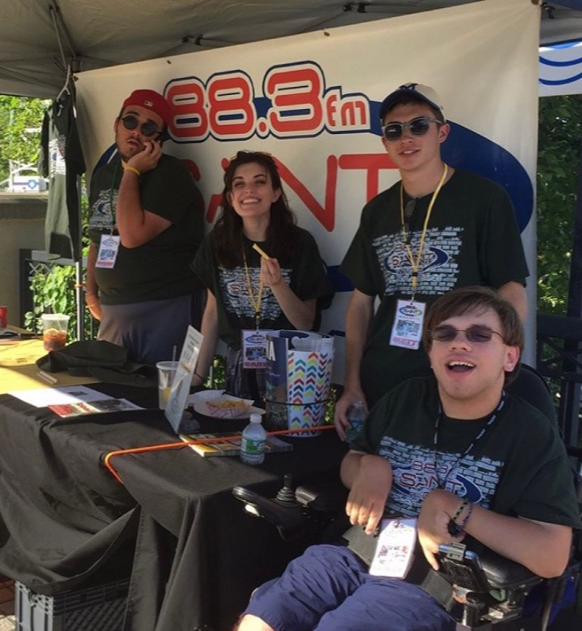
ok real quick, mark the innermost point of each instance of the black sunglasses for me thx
(417, 127)
(476, 334)
(148, 129)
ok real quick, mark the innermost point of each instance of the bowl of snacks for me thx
(227, 406)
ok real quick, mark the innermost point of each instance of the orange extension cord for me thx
(201, 441)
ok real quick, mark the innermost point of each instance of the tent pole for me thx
(79, 284)
(575, 284)
(79, 300)
(570, 405)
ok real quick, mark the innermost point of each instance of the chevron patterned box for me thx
(298, 380)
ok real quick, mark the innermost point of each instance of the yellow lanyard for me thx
(416, 264)
(256, 303)
(111, 203)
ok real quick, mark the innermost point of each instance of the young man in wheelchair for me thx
(456, 458)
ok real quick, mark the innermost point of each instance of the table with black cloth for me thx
(195, 555)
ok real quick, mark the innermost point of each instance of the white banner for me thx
(561, 69)
(312, 101)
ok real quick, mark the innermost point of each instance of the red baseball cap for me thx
(152, 101)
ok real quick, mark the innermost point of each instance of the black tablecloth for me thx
(198, 555)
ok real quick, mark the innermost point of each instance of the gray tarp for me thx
(100, 33)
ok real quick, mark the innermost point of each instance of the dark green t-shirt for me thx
(472, 239)
(519, 467)
(158, 269)
(305, 274)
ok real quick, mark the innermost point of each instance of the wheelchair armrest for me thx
(482, 573)
(325, 497)
(305, 510)
(285, 518)
(502, 573)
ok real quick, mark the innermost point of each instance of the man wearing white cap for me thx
(146, 225)
(437, 229)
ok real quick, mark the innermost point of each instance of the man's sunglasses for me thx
(417, 127)
(476, 334)
(148, 129)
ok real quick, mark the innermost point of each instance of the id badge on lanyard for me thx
(108, 250)
(407, 327)
(395, 548)
(254, 348)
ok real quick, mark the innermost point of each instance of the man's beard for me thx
(130, 151)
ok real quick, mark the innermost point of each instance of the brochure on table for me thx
(69, 401)
(181, 385)
(43, 397)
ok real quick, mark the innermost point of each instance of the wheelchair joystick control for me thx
(283, 511)
(286, 494)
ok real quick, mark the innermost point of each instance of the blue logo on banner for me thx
(468, 150)
(557, 72)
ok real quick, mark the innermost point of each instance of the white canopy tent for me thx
(40, 39)
(43, 41)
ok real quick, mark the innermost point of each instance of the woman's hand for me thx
(271, 272)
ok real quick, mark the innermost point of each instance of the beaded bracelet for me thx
(466, 518)
(454, 528)
(461, 508)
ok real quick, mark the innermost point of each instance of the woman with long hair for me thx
(281, 284)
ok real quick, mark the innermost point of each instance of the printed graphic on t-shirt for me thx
(101, 215)
(235, 289)
(416, 474)
(438, 269)
(57, 164)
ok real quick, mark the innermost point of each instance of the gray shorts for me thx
(148, 330)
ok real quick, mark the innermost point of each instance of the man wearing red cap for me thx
(437, 229)
(146, 224)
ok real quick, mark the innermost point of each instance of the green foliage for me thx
(560, 134)
(330, 406)
(20, 126)
(218, 373)
(53, 292)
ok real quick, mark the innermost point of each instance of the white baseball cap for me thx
(414, 91)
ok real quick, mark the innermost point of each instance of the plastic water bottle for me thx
(356, 417)
(254, 439)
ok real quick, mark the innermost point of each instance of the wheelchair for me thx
(488, 594)
(492, 596)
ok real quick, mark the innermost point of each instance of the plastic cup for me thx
(54, 330)
(166, 374)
